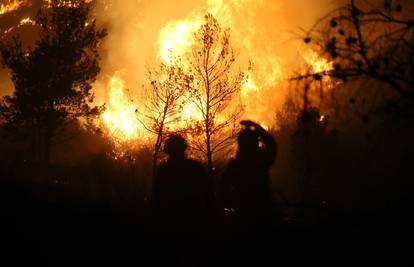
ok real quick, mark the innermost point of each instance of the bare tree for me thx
(369, 41)
(164, 102)
(371, 47)
(213, 88)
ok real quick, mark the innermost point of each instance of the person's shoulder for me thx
(195, 163)
(163, 166)
(233, 162)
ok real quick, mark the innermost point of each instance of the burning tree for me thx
(53, 79)
(214, 87)
(368, 41)
(165, 101)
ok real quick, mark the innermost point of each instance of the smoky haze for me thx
(266, 32)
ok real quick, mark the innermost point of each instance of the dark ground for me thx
(36, 230)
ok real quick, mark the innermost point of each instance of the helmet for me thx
(175, 145)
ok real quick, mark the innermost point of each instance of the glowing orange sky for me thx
(135, 25)
(264, 32)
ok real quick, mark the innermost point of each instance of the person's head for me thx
(248, 142)
(175, 146)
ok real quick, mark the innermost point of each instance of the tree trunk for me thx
(38, 143)
(208, 121)
(158, 143)
(33, 139)
(208, 146)
(157, 148)
(47, 145)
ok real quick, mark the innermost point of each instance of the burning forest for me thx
(243, 118)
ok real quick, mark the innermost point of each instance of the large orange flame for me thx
(176, 38)
(27, 21)
(317, 63)
(120, 116)
(262, 75)
(11, 6)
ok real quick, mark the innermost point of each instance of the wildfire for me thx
(317, 67)
(251, 43)
(67, 3)
(8, 30)
(176, 38)
(317, 64)
(11, 6)
(23, 22)
(27, 21)
(120, 116)
(256, 80)
(191, 112)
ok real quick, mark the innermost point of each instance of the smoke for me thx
(131, 45)
(265, 32)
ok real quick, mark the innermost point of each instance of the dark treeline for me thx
(339, 167)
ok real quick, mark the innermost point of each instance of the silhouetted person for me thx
(245, 181)
(181, 191)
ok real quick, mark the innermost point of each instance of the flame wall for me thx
(263, 31)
